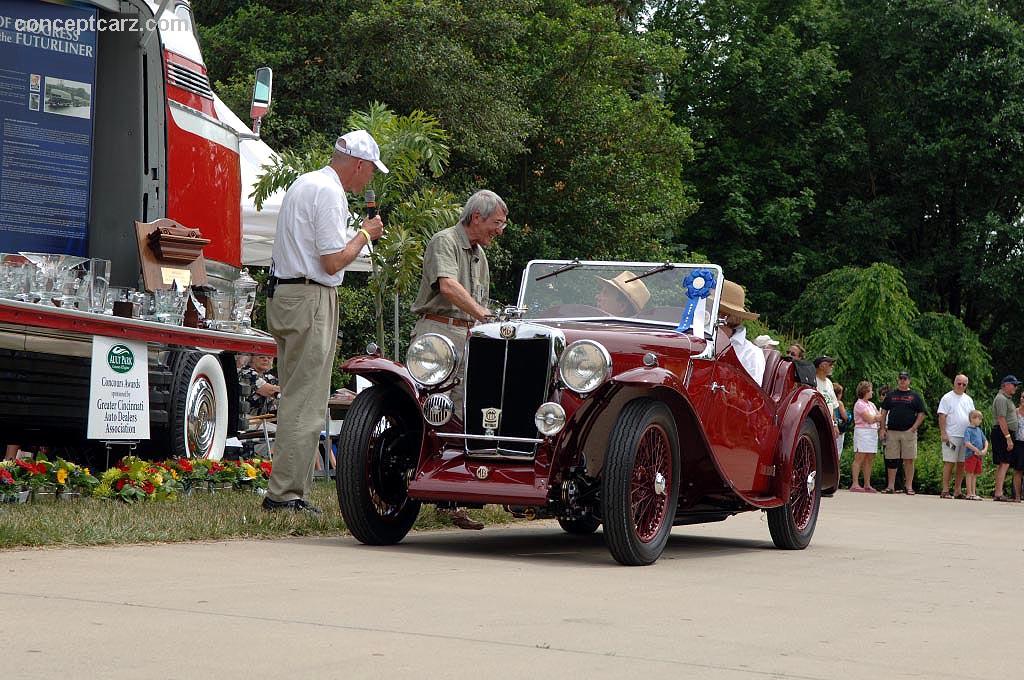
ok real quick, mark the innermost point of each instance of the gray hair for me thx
(484, 202)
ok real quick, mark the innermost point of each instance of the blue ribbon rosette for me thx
(698, 284)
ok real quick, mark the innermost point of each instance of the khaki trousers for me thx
(304, 321)
(458, 335)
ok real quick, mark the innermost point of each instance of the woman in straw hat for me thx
(732, 313)
(622, 297)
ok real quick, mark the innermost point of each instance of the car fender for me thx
(806, 403)
(381, 371)
(593, 422)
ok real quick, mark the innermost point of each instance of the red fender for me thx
(381, 371)
(807, 404)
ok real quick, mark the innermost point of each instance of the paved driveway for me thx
(891, 587)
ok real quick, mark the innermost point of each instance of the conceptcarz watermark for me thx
(70, 29)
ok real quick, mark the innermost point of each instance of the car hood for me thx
(622, 338)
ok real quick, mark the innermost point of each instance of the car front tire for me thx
(378, 446)
(641, 482)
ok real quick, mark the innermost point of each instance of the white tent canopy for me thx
(260, 226)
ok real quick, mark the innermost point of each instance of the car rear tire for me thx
(641, 482)
(378, 447)
(199, 407)
(792, 524)
(584, 526)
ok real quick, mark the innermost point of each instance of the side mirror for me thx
(261, 96)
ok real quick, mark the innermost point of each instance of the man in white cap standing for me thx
(314, 244)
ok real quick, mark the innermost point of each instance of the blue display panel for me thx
(47, 94)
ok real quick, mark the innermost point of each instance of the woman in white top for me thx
(866, 418)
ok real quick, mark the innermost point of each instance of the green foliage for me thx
(959, 348)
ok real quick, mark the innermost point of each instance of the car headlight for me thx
(431, 359)
(550, 418)
(584, 365)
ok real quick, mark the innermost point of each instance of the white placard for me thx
(118, 390)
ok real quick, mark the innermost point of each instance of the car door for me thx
(739, 422)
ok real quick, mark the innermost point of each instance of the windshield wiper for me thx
(657, 270)
(564, 268)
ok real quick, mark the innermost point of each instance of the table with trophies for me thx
(71, 293)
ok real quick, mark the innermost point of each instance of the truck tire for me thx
(199, 407)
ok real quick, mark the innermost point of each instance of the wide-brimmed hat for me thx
(635, 291)
(734, 301)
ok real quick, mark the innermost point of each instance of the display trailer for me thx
(123, 302)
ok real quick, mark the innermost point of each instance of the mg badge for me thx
(508, 331)
(482, 472)
(492, 416)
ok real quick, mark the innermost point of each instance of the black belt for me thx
(299, 279)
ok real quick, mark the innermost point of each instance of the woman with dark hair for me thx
(866, 418)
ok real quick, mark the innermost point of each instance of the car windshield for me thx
(678, 294)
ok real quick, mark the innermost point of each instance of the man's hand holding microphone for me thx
(372, 227)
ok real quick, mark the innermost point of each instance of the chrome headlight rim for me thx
(453, 360)
(605, 374)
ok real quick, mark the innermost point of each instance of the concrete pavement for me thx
(891, 587)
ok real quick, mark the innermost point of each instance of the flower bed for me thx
(131, 480)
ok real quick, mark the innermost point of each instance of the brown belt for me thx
(451, 321)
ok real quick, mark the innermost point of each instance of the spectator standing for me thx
(975, 447)
(902, 414)
(1004, 428)
(954, 418)
(823, 369)
(796, 351)
(314, 244)
(455, 285)
(866, 419)
(843, 418)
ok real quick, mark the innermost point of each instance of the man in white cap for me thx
(731, 308)
(314, 244)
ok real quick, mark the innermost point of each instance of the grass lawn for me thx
(226, 514)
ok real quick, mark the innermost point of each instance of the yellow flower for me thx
(62, 476)
(174, 474)
(158, 479)
(250, 471)
(87, 471)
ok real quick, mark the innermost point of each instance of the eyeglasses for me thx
(960, 384)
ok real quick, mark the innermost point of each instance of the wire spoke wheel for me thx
(641, 482)
(792, 524)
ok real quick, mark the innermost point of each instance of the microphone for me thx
(371, 204)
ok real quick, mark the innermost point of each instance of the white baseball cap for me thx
(360, 144)
(765, 341)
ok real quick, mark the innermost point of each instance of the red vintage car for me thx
(595, 414)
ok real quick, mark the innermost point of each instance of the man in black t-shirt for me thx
(902, 413)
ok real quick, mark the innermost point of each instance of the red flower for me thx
(216, 467)
(120, 484)
(185, 465)
(6, 477)
(148, 487)
(123, 468)
(266, 466)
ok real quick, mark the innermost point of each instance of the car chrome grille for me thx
(511, 375)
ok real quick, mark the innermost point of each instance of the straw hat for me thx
(733, 301)
(635, 291)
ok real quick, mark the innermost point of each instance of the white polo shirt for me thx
(313, 221)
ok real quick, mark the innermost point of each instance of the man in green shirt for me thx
(1004, 453)
(455, 285)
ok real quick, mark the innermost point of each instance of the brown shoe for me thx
(462, 520)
